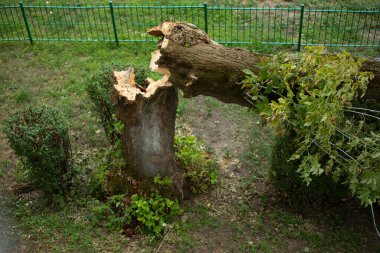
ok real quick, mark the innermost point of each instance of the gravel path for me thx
(8, 237)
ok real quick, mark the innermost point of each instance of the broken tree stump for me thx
(149, 122)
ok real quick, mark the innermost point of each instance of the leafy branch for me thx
(312, 94)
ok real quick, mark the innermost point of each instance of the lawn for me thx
(243, 213)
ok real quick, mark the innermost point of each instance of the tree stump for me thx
(149, 123)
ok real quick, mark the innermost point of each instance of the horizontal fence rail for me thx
(294, 25)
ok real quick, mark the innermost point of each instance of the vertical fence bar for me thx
(114, 24)
(300, 28)
(26, 23)
(206, 16)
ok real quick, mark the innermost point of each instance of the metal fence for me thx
(292, 25)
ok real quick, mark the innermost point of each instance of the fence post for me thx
(26, 23)
(300, 28)
(114, 24)
(206, 17)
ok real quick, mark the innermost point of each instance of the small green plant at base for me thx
(149, 212)
(40, 138)
(108, 160)
(181, 107)
(162, 181)
(152, 212)
(201, 172)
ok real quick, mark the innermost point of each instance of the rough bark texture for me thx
(149, 122)
(199, 66)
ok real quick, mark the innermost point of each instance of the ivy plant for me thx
(312, 93)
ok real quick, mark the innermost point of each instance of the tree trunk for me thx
(149, 123)
(199, 66)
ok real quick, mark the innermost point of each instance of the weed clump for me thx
(99, 89)
(146, 212)
(200, 171)
(109, 175)
(40, 138)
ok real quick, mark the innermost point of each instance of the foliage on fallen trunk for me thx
(292, 189)
(314, 93)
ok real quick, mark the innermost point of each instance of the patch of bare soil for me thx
(227, 131)
(243, 212)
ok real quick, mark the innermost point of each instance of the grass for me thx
(243, 213)
(66, 230)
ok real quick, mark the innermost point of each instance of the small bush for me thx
(39, 136)
(99, 89)
(152, 212)
(200, 172)
(287, 180)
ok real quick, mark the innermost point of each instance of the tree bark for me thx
(199, 66)
(149, 123)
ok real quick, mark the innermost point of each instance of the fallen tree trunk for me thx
(192, 62)
(199, 66)
(149, 121)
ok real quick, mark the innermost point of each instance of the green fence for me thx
(294, 25)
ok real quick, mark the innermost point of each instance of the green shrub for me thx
(102, 214)
(200, 172)
(99, 89)
(39, 136)
(152, 212)
(286, 179)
